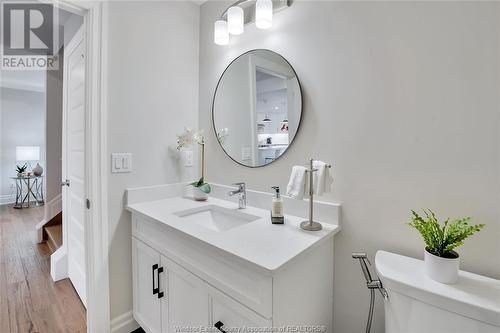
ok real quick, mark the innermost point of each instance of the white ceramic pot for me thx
(199, 195)
(444, 270)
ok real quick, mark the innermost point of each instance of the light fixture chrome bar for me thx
(248, 7)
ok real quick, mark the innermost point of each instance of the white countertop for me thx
(267, 245)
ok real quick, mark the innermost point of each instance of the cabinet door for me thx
(147, 306)
(230, 316)
(187, 298)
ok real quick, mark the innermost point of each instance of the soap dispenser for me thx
(277, 214)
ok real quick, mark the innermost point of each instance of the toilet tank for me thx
(417, 304)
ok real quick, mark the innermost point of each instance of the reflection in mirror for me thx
(257, 108)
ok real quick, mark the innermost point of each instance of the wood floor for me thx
(29, 300)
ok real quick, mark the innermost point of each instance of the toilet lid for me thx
(474, 296)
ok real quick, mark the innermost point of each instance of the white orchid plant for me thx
(222, 135)
(188, 138)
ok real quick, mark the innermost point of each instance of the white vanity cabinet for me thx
(181, 281)
(165, 295)
(168, 297)
(147, 303)
(188, 299)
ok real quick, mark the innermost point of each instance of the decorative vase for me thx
(38, 170)
(444, 270)
(199, 195)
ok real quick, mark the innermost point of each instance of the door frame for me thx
(96, 222)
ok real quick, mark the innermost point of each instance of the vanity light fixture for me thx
(221, 33)
(267, 119)
(264, 14)
(234, 18)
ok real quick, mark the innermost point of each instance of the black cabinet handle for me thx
(160, 293)
(219, 325)
(155, 290)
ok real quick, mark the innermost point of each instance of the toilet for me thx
(417, 304)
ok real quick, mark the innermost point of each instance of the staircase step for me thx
(54, 239)
(42, 226)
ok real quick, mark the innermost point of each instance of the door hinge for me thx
(87, 203)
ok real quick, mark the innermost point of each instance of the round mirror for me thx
(257, 108)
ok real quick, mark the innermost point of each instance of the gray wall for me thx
(152, 56)
(22, 114)
(53, 134)
(403, 99)
(71, 26)
(35, 102)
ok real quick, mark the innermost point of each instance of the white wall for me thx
(22, 114)
(152, 54)
(403, 99)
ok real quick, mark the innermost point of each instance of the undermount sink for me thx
(216, 218)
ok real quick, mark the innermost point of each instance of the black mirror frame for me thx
(301, 107)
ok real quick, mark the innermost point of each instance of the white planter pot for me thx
(199, 195)
(440, 269)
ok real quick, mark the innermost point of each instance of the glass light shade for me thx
(27, 153)
(235, 20)
(221, 34)
(264, 14)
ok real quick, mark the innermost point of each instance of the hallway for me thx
(29, 300)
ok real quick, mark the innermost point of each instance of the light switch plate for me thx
(188, 158)
(121, 162)
(246, 153)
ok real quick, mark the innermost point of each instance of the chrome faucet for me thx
(242, 195)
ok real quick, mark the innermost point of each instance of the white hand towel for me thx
(297, 182)
(322, 180)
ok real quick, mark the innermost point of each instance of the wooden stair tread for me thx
(54, 233)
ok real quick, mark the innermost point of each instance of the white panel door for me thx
(74, 162)
(187, 301)
(146, 286)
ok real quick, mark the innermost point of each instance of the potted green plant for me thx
(201, 189)
(441, 262)
(21, 170)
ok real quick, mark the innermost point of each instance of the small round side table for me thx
(27, 188)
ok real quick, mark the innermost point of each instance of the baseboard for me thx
(7, 199)
(124, 323)
(39, 230)
(59, 264)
